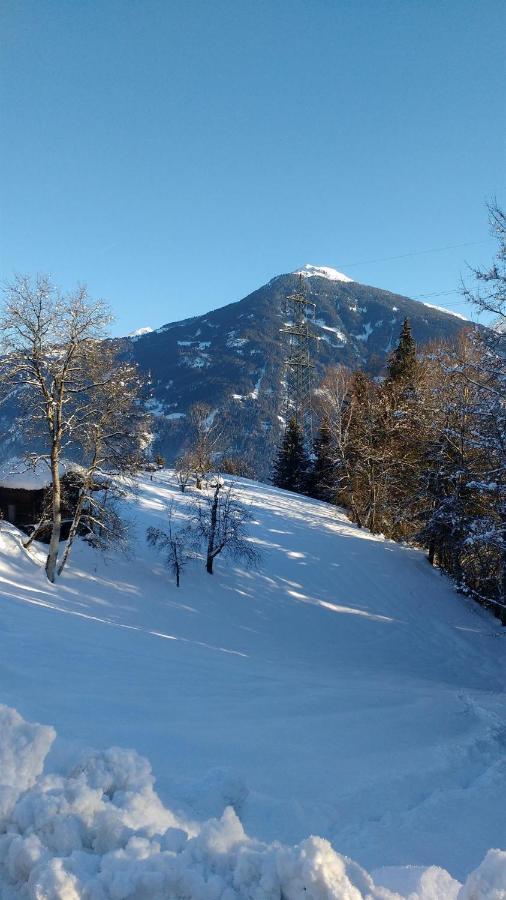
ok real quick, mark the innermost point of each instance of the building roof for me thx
(21, 474)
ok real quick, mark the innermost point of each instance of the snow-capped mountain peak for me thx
(322, 272)
(140, 331)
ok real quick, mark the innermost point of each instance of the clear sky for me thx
(177, 154)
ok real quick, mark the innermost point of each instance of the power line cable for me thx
(366, 262)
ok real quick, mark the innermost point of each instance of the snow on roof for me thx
(322, 272)
(20, 474)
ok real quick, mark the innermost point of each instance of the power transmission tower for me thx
(298, 333)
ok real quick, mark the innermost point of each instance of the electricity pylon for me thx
(298, 333)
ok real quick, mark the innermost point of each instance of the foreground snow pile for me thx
(100, 831)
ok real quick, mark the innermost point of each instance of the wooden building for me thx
(25, 493)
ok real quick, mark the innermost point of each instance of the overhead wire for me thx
(365, 262)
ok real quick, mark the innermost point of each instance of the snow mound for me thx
(488, 881)
(100, 832)
(23, 749)
(322, 272)
(416, 882)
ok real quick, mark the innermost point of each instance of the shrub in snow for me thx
(172, 542)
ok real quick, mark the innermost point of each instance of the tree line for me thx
(419, 455)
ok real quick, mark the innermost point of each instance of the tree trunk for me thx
(36, 531)
(54, 542)
(212, 531)
(355, 512)
(72, 532)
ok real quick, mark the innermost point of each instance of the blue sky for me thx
(176, 155)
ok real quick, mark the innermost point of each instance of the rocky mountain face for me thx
(232, 358)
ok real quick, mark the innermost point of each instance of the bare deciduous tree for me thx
(205, 437)
(76, 395)
(219, 521)
(110, 433)
(489, 293)
(335, 408)
(184, 466)
(173, 543)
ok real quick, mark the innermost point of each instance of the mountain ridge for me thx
(232, 357)
(308, 270)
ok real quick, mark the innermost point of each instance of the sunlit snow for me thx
(449, 312)
(140, 331)
(322, 272)
(341, 689)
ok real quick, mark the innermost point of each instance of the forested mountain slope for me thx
(232, 358)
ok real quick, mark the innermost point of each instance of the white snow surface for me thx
(338, 333)
(448, 312)
(99, 830)
(342, 689)
(322, 272)
(368, 330)
(140, 331)
(21, 474)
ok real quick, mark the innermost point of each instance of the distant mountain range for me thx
(232, 358)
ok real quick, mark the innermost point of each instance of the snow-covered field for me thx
(341, 689)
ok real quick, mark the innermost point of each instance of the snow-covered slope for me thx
(341, 689)
(448, 312)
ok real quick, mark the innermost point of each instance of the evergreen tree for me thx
(402, 362)
(323, 477)
(292, 464)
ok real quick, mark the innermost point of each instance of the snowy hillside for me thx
(340, 689)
